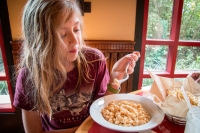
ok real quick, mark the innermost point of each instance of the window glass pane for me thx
(159, 19)
(5, 102)
(4, 95)
(188, 58)
(3, 88)
(1, 63)
(179, 79)
(147, 82)
(190, 24)
(156, 57)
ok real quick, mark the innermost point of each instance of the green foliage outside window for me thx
(159, 19)
(3, 84)
(3, 88)
(190, 26)
(155, 57)
(159, 27)
(1, 63)
(188, 58)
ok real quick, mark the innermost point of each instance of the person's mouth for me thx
(73, 51)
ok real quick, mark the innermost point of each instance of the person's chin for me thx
(73, 58)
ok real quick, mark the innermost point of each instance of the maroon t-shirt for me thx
(69, 108)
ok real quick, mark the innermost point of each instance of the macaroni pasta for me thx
(125, 113)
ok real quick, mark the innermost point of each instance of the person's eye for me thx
(63, 36)
(77, 30)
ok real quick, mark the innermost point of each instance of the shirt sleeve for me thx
(21, 98)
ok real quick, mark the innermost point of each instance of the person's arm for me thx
(118, 70)
(32, 124)
(113, 87)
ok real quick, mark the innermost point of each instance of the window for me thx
(170, 39)
(5, 84)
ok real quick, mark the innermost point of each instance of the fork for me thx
(126, 76)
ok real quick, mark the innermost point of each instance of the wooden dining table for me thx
(166, 126)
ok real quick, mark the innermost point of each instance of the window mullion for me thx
(175, 31)
(176, 19)
(145, 22)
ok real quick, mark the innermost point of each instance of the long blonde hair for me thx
(40, 50)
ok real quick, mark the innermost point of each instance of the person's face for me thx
(71, 34)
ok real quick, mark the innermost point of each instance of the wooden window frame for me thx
(173, 44)
(5, 77)
(6, 49)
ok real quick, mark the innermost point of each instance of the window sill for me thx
(5, 106)
(5, 102)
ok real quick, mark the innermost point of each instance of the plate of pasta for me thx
(126, 113)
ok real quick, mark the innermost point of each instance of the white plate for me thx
(155, 113)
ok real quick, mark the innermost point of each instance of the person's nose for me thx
(72, 39)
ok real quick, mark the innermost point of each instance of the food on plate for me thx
(125, 113)
(178, 94)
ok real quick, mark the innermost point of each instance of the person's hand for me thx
(196, 76)
(119, 67)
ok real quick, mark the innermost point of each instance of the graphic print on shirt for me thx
(74, 103)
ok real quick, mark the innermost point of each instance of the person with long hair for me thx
(59, 76)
